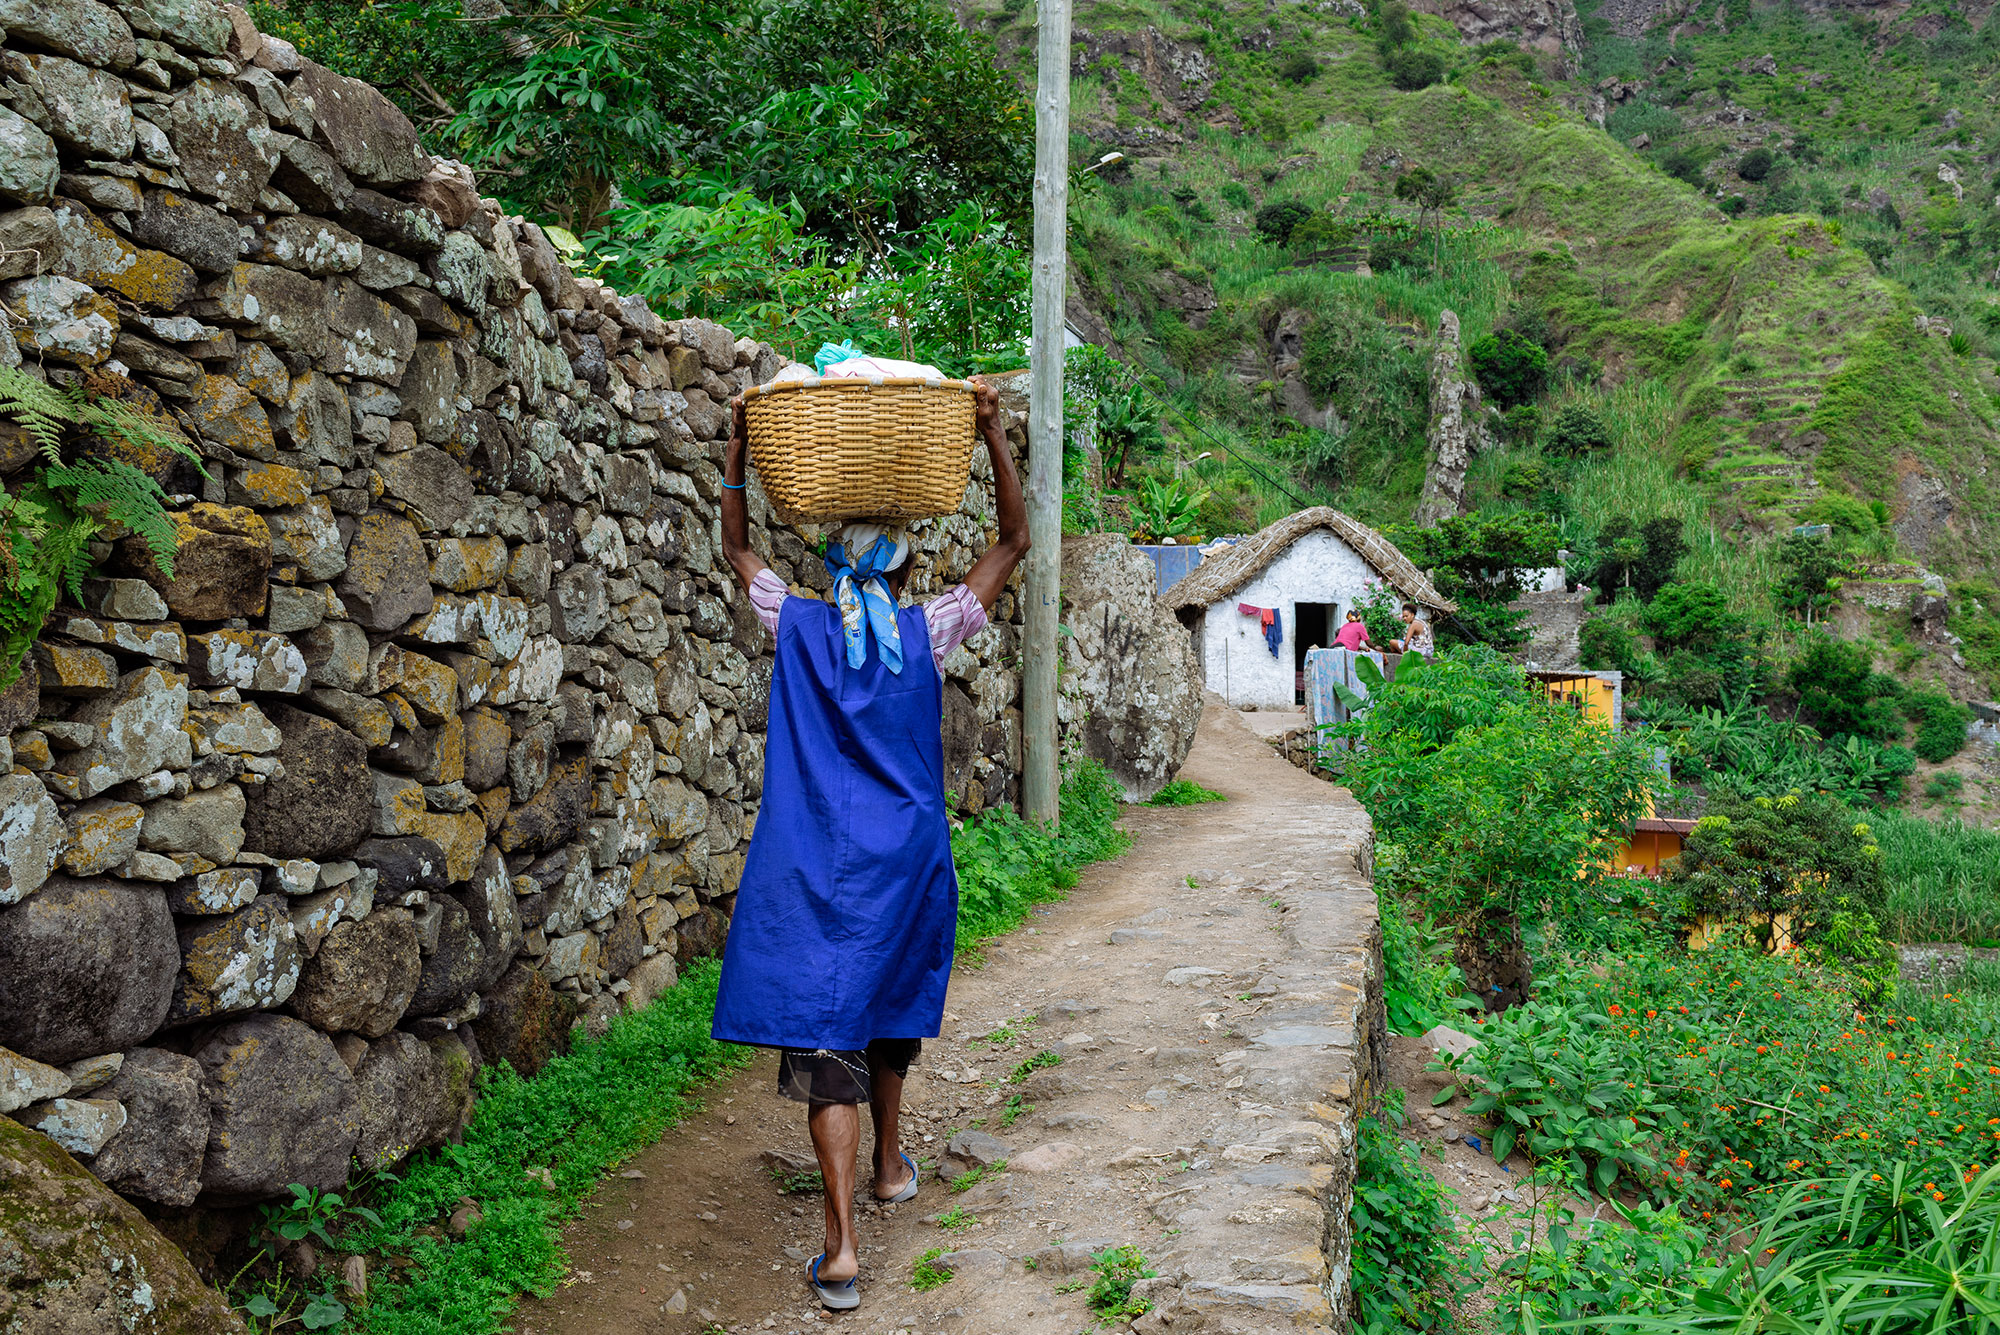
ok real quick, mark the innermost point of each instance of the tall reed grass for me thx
(1944, 879)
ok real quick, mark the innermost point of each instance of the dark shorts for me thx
(827, 1077)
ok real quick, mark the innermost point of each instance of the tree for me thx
(1276, 222)
(1481, 562)
(1578, 430)
(1126, 422)
(1507, 805)
(1799, 856)
(1510, 366)
(1431, 193)
(1639, 557)
(1811, 572)
(1411, 69)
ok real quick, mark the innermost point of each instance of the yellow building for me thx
(1601, 696)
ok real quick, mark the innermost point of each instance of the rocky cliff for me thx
(448, 726)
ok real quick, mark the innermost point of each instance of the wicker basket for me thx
(861, 448)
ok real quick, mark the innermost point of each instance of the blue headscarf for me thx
(858, 558)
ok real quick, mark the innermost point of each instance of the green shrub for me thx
(1607, 642)
(1650, 1262)
(1503, 54)
(1411, 69)
(1685, 164)
(1184, 793)
(1577, 431)
(1296, 67)
(1511, 367)
(1734, 205)
(1118, 1269)
(1392, 251)
(1006, 865)
(1497, 795)
(1839, 691)
(1940, 724)
(1755, 165)
(1638, 117)
(1522, 422)
(1525, 479)
(1843, 514)
(1659, 1072)
(1322, 231)
(1690, 678)
(1406, 1277)
(1692, 616)
(1234, 194)
(1274, 222)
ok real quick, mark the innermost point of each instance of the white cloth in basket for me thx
(886, 367)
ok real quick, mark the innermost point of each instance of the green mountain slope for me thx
(1786, 373)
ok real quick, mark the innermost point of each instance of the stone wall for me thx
(447, 729)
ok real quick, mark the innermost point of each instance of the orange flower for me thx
(1726, 1183)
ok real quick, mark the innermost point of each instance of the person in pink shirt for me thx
(1353, 635)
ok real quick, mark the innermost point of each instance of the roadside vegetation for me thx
(1720, 1055)
(457, 1234)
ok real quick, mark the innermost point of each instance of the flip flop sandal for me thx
(841, 1297)
(909, 1190)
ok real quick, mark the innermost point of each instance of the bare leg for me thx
(885, 1104)
(836, 1135)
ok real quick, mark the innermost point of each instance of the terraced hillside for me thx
(1801, 376)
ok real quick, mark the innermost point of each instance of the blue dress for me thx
(844, 924)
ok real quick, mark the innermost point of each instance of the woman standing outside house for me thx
(841, 943)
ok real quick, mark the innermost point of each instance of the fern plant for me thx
(47, 525)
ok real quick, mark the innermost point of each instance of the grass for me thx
(1944, 880)
(925, 1276)
(1118, 1269)
(1006, 865)
(978, 1173)
(956, 1218)
(1033, 1064)
(535, 1149)
(1184, 793)
(532, 1151)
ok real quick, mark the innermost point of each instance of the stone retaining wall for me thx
(448, 728)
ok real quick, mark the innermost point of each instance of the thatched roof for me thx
(1224, 573)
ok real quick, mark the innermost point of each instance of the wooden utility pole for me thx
(1039, 782)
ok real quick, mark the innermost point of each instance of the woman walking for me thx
(841, 943)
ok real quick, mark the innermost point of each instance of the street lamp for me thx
(1102, 162)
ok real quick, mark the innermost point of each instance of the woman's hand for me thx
(985, 406)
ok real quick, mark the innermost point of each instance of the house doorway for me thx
(1311, 624)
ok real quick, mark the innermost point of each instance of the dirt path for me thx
(1206, 994)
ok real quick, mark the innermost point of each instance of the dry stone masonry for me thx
(447, 729)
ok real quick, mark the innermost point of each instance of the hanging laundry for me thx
(1268, 618)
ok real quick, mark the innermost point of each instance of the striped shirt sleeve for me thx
(954, 617)
(767, 596)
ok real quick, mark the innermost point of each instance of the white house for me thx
(1309, 568)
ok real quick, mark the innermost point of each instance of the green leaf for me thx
(261, 1305)
(1605, 1174)
(1445, 1095)
(1503, 1143)
(324, 1311)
